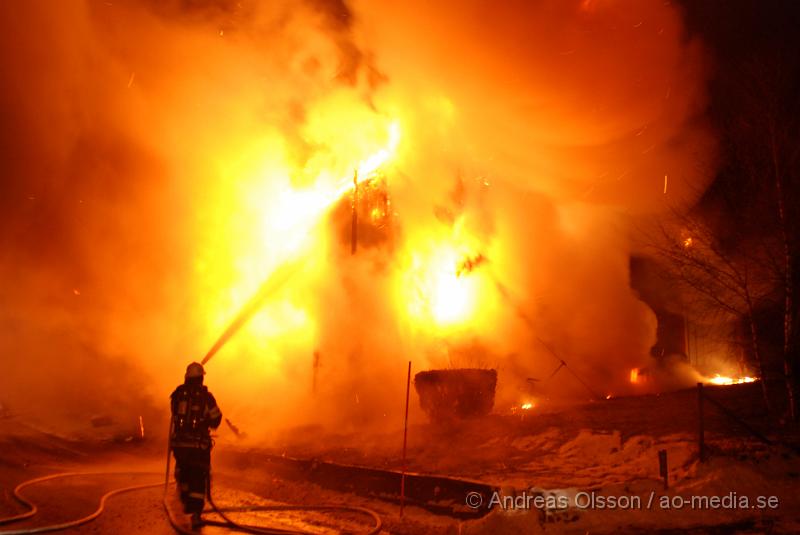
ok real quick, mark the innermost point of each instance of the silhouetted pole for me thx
(405, 442)
(663, 467)
(701, 446)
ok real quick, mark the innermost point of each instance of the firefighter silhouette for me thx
(194, 415)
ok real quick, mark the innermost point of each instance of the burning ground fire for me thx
(640, 376)
(718, 379)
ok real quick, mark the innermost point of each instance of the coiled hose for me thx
(227, 522)
(33, 509)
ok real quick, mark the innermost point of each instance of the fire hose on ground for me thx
(33, 509)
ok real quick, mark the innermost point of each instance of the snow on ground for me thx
(608, 449)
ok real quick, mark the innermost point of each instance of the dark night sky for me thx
(738, 31)
(752, 44)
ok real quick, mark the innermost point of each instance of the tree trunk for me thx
(759, 358)
(788, 289)
(789, 342)
(789, 353)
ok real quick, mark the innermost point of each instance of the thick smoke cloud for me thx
(593, 101)
(535, 131)
(117, 117)
(586, 118)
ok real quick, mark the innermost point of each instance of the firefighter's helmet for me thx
(195, 369)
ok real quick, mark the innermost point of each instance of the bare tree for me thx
(767, 142)
(717, 282)
(737, 251)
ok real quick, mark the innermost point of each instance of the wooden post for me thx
(663, 467)
(354, 230)
(405, 442)
(701, 446)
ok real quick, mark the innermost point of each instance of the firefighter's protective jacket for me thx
(194, 414)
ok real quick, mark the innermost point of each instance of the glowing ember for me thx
(688, 242)
(723, 380)
(141, 427)
(522, 408)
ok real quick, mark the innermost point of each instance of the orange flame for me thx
(718, 379)
(634, 375)
(523, 407)
(263, 218)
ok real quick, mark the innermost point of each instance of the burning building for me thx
(321, 199)
(486, 173)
